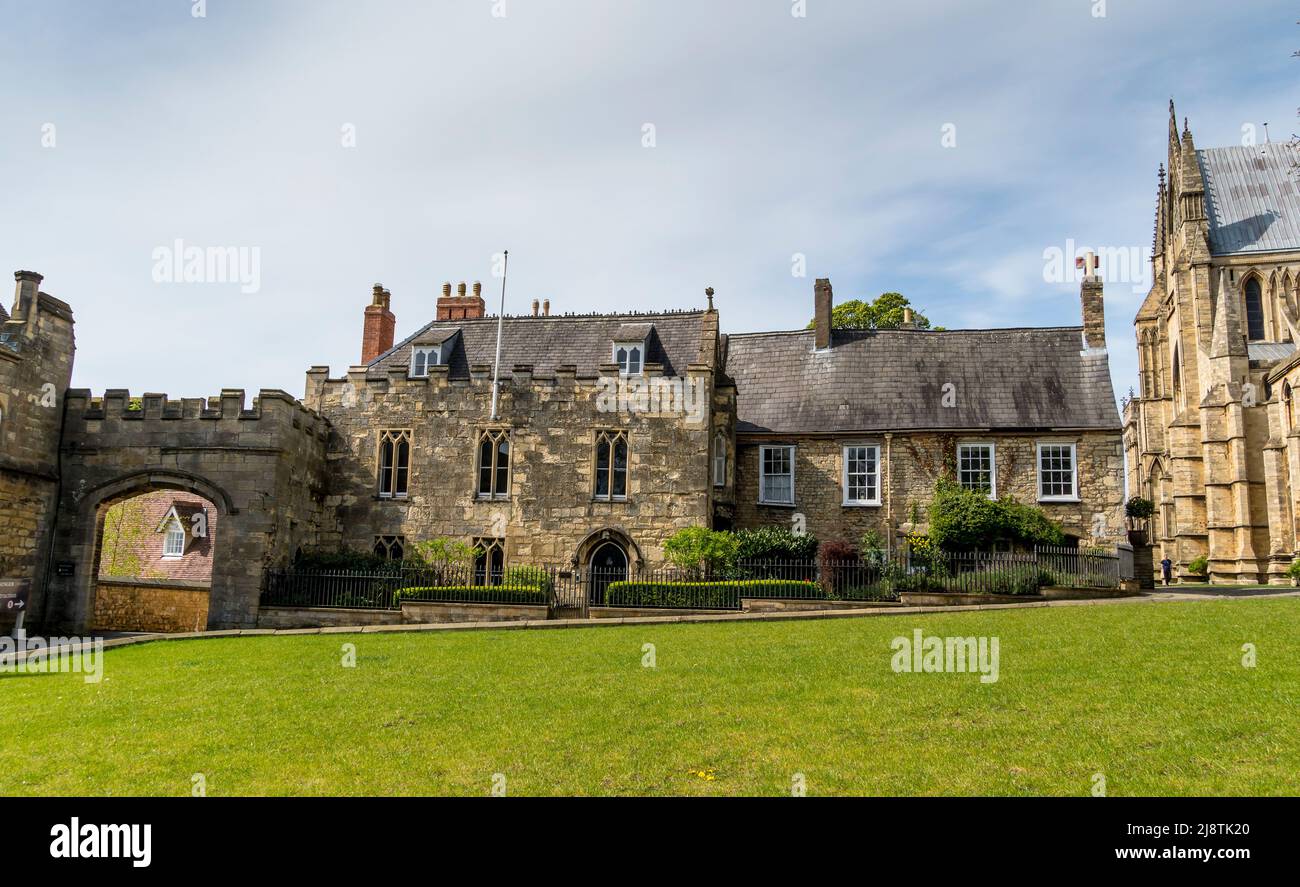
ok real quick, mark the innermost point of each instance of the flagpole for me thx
(501, 319)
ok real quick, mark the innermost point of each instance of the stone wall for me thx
(170, 606)
(319, 617)
(553, 421)
(428, 613)
(910, 465)
(262, 468)
(36, 353)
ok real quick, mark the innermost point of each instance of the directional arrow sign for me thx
(13, 594)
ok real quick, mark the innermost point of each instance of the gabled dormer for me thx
(630, 346)
(432, 348)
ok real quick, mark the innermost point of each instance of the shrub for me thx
(496, 594)
(441, 553)
(839, 566)
(706, 595)
(964, 520)
(1199, 566)
(702, 551)
(342, 559)
(1294, 570)
(534, 577)
(775, 544)
(1139, 509)
(874, 550)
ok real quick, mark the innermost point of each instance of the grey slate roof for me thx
(1252, 198)
(1270, 350)
(583, 341)
(892, 380)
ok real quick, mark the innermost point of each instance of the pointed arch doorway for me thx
(606, 565)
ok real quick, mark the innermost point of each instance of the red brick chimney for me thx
(380, 324)
(460, 306)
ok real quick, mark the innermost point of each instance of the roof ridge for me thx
(993, 329)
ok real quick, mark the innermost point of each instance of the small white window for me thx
(719, 460)
(776, 475)
(174, 542)
(630, 357)
(976, 468)
(862, 475)
(423, 357)
(1056, 473)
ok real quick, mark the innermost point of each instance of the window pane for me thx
(403, 464)
(634, 360)
(386, 467)
(485, 467)
(503, 468)
(622, 359)
(602, 468)
(620, 467)
(419, 367)
(1254, 310)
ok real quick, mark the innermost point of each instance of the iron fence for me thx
(572, 592)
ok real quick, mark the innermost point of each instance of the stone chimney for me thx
(380, 324)
(1094, 310)
(536, 305)
(460, 306)
(822, 302)
(546, 307)
(28, 285)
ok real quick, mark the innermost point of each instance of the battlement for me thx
(268, 405)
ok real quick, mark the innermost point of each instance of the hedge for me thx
(706, 595)
(474, 594)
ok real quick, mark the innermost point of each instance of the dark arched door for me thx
(608, 564)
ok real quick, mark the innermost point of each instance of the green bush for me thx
(775, 543)
(496, 594)
(965, 520)
(1139, 509)
(701, 550)
(1294, 570)
(343, 559)
(1199, 566)
(533, 577)
(706, 595)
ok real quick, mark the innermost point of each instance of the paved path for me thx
(1175, 594)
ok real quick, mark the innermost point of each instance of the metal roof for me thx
(1270, 350)
(1252, 197)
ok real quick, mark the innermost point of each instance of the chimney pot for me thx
(460, 289)
(478, 290)
(446, 290)
(535, 304)
(546, 307)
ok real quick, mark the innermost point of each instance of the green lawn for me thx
(1154, 696)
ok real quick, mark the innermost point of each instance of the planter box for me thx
(426, 613)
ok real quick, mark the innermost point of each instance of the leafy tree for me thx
(443, 554)
(125, 535)
(775, 543)
(885, 313)
(1138, 510)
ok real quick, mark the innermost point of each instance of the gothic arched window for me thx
(1254, 310)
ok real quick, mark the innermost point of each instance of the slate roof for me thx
(1252, 198)
(548, 342)
(892, 380)
(1266, 351)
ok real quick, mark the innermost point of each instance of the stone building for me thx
(598, 437)
(1210, 434)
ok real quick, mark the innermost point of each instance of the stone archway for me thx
(92, 504)
(582, 554)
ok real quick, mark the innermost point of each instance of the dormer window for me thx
(423, 357)
(630, 357)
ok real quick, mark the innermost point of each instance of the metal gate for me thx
(569, 593)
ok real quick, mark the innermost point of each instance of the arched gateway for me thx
(263, 469)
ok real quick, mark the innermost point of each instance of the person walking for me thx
(1167, 569)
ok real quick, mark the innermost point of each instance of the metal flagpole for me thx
(501, 319)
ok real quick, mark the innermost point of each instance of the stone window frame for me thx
(1073, 496)
(432, 355)
(1258, 281)
(396, 436)
(625, 365)
(791, 451)
(845, 459)
(719, 459)
(388, 545)
(486, 548)
(992, 447)
(495, 436)
(612, 437)
(174, 528)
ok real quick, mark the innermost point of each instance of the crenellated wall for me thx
(263, 467)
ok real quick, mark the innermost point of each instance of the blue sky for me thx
(131, 124)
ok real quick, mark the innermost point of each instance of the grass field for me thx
(1154, 696)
